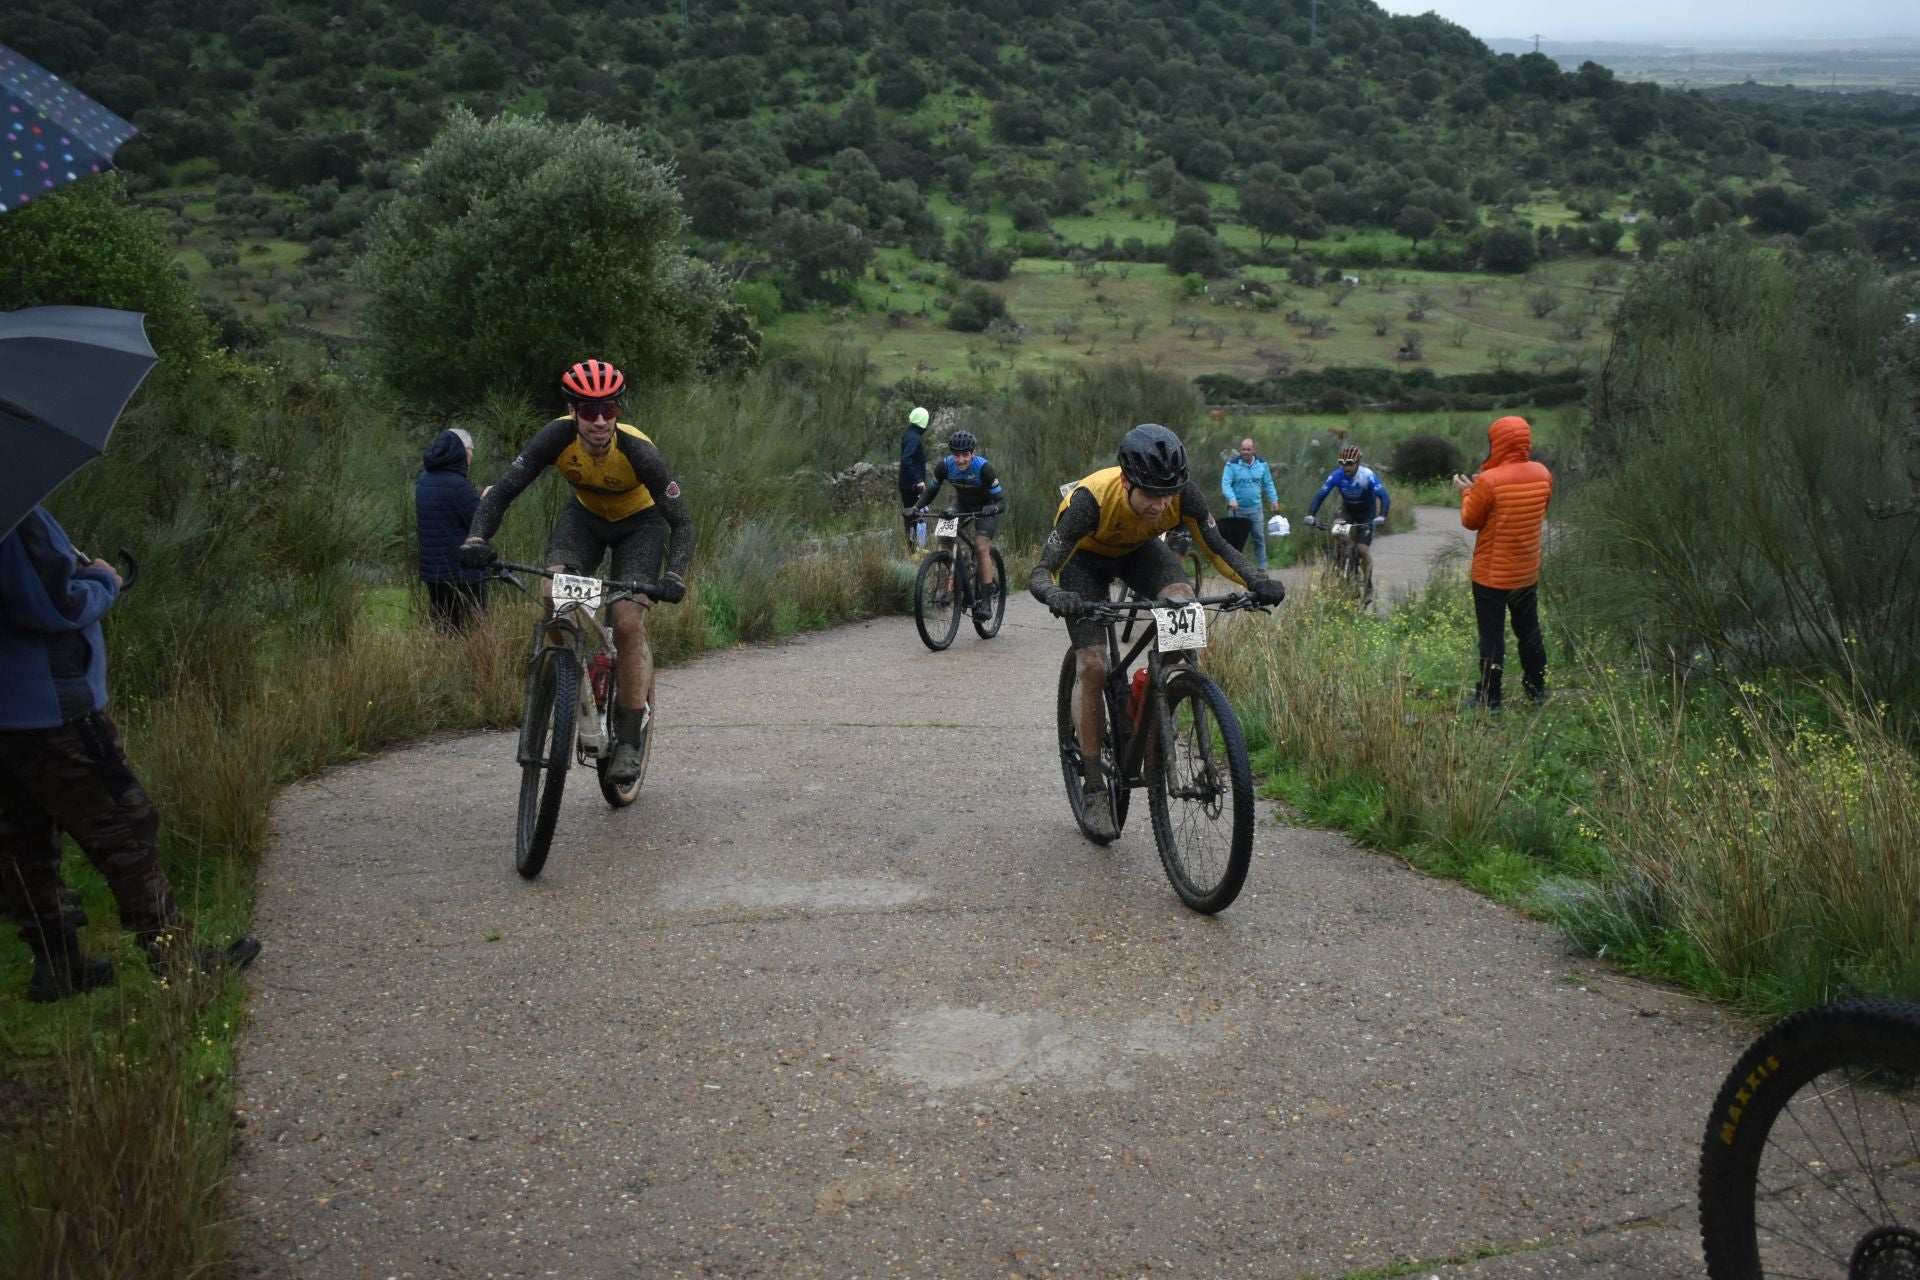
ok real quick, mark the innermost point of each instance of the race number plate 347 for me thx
(568, 589)
(1184, 627)
(947, 528)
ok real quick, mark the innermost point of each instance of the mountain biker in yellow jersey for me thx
(1108, 527)
(625, 501)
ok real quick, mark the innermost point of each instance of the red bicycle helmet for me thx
(1350, 454)
(593, 380)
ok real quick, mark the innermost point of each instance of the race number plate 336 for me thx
(1340, 527)
(1184, 627)
(569, 589)
(947, 528)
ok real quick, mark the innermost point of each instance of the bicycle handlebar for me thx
(953, 513)
(1121, 610)
(503, 568)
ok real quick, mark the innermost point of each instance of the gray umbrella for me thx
(65, 375)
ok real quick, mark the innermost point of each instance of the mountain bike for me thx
(1170, 729)
(947, 583)
(1811, 1161)
(572, 685)
(1349, 562)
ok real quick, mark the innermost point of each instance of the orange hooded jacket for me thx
(1507, 505)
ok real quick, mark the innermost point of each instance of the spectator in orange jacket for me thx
(1506, 504)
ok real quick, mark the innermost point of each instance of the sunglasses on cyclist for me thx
(597, 411)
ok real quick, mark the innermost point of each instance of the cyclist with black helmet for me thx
(1358, 487)
(1108, 527)
(977, 492)
(624, 500)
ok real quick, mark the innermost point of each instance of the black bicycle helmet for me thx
(1152, 458)
(962, 442)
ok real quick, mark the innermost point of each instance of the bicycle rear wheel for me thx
(1070, 755)
(546, 750)
(617, 796)
(989, 627)
(936, 601)
(1811, 1165)
(1201, 798)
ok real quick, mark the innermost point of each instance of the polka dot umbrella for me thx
(50, 133)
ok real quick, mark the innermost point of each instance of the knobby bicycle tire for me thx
(936, 601)
(546, 749)
(990, 627)
(1070, 769)
(1810, 1165)
(617, 796)
(1201, 794)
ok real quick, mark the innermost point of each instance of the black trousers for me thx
(453, 606)
(1491, 609)
(76, 779)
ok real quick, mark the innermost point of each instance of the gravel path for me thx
(846, 994)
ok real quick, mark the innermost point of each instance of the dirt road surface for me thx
(846, 994)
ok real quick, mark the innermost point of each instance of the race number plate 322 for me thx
(569, 589)
(1184, 627)
(947, 528)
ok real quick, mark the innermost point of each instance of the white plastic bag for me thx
(1278, 527)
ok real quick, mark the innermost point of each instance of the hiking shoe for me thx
(1097, 807)
(171, 952)
(64, 970)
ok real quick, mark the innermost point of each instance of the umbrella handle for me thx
(132, 575)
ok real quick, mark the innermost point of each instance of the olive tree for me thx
(523, 245)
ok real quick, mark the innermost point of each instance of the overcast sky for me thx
(1668, 20)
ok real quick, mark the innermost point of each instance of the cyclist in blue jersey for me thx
(976, 491)
(1358, 487)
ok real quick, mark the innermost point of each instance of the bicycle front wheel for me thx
(989, 626)
(936, 601)
(1201, 795)
(1810, 1165)
(546, 750)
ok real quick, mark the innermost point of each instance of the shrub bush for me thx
(1424, 457)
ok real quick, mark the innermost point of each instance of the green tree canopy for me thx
(86, 245)
(523, 246)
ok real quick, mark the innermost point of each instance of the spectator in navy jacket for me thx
(63, 768)
(444, 501)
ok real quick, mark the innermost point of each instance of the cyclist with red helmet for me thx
(624, 501)
(1108, 526)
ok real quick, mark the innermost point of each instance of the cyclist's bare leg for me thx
(1089, 708)
(983, 545)
(1364, 555)
(636, 654)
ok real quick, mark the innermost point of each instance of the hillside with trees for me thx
(808, 134)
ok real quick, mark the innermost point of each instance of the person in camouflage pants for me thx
(63, 767)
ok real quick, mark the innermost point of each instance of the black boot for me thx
(172, 952)
(61, 969)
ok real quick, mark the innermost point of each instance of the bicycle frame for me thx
(585, 633)
(1153, 731)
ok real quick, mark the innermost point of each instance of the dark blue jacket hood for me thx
(446, 453)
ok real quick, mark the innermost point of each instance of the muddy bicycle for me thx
(1810, 1165)
(572, 690)
(1349, 561)
(948, 582)
(1170, 729)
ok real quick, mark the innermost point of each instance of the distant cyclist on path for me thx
(978, 490)
(1359, 487)
(625, 501)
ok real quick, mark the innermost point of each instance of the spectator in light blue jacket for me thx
(1248, 484)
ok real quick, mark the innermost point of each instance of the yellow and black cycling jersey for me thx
(625, 481)
(1095, 518)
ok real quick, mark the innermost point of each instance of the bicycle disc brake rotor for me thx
(1887, 1253)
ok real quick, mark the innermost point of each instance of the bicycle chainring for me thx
(1886, 1253)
